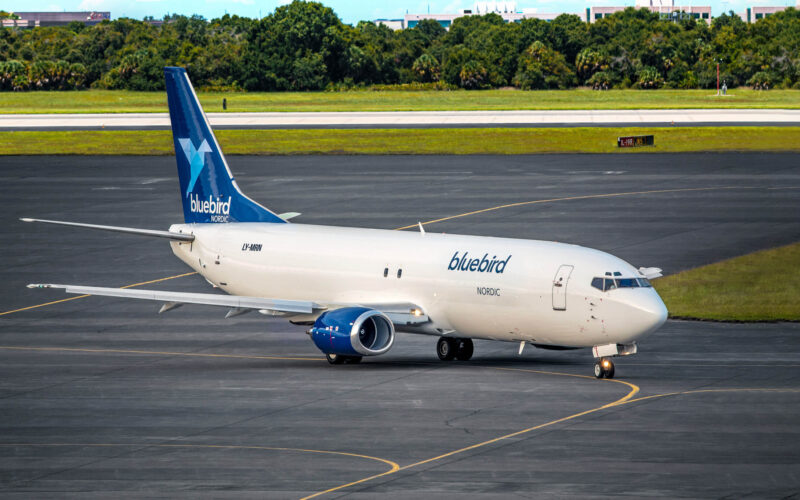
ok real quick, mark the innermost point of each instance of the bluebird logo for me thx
(196, 159)
(211, 206)
(216, 208)
(481, 265)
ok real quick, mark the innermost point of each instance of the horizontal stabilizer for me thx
(209, 299)
(117, 229)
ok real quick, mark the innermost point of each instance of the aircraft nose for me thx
(648, 313)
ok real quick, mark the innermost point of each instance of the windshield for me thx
(609, 283)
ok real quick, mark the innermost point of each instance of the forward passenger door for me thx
(560, 287)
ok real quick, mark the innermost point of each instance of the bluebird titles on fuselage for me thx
(480, 265)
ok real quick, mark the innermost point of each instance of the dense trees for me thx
(541, 67)
(305, 46)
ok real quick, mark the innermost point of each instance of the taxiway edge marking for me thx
(701, 391)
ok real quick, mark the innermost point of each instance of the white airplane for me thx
(356, 287)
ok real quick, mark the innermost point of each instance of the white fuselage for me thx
(533, 298)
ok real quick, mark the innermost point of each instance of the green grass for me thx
(117, 101)
(761, 286)
(409, 141)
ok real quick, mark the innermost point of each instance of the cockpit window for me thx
(605, 284)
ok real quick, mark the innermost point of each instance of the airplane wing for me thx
(238, 304)
(401, 314)
(117, 229)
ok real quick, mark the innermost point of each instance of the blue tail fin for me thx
(208, 190)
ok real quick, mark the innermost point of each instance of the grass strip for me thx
(409, 141)
(761, 286)
(121, 101)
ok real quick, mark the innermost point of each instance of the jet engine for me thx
(353, 331)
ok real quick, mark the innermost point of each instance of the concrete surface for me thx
(416, 119)
(103, 397)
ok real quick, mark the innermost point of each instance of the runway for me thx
(415, 119)
(102, 396)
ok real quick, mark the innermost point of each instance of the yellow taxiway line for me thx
(634, 389)
(393, 465)
(572, 198)
(702, 391)
(627, 399)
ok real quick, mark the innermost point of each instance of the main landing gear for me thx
(449, 348)
(338, 359)
(604, 368)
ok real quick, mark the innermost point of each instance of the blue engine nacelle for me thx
(353, 331)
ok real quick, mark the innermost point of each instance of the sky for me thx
(350, 11)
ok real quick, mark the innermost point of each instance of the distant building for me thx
(666, 8)
(34, 19)
(395, 24)
(511, 14)
(507, 10)
(753, 14)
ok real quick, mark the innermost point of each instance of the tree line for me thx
(305, 46)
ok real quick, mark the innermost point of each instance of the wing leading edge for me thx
(402, 314)
(174, 299)
(118, 229)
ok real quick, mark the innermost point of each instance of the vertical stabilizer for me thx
(208, 189)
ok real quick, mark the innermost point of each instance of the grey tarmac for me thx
(102, 396)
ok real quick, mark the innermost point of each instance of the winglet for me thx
(289, 215)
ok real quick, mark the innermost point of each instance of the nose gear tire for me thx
(604, 368)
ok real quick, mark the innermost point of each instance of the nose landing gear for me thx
(604, 368)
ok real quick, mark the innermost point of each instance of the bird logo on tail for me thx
(196, 158)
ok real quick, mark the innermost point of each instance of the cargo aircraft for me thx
(354, 288)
